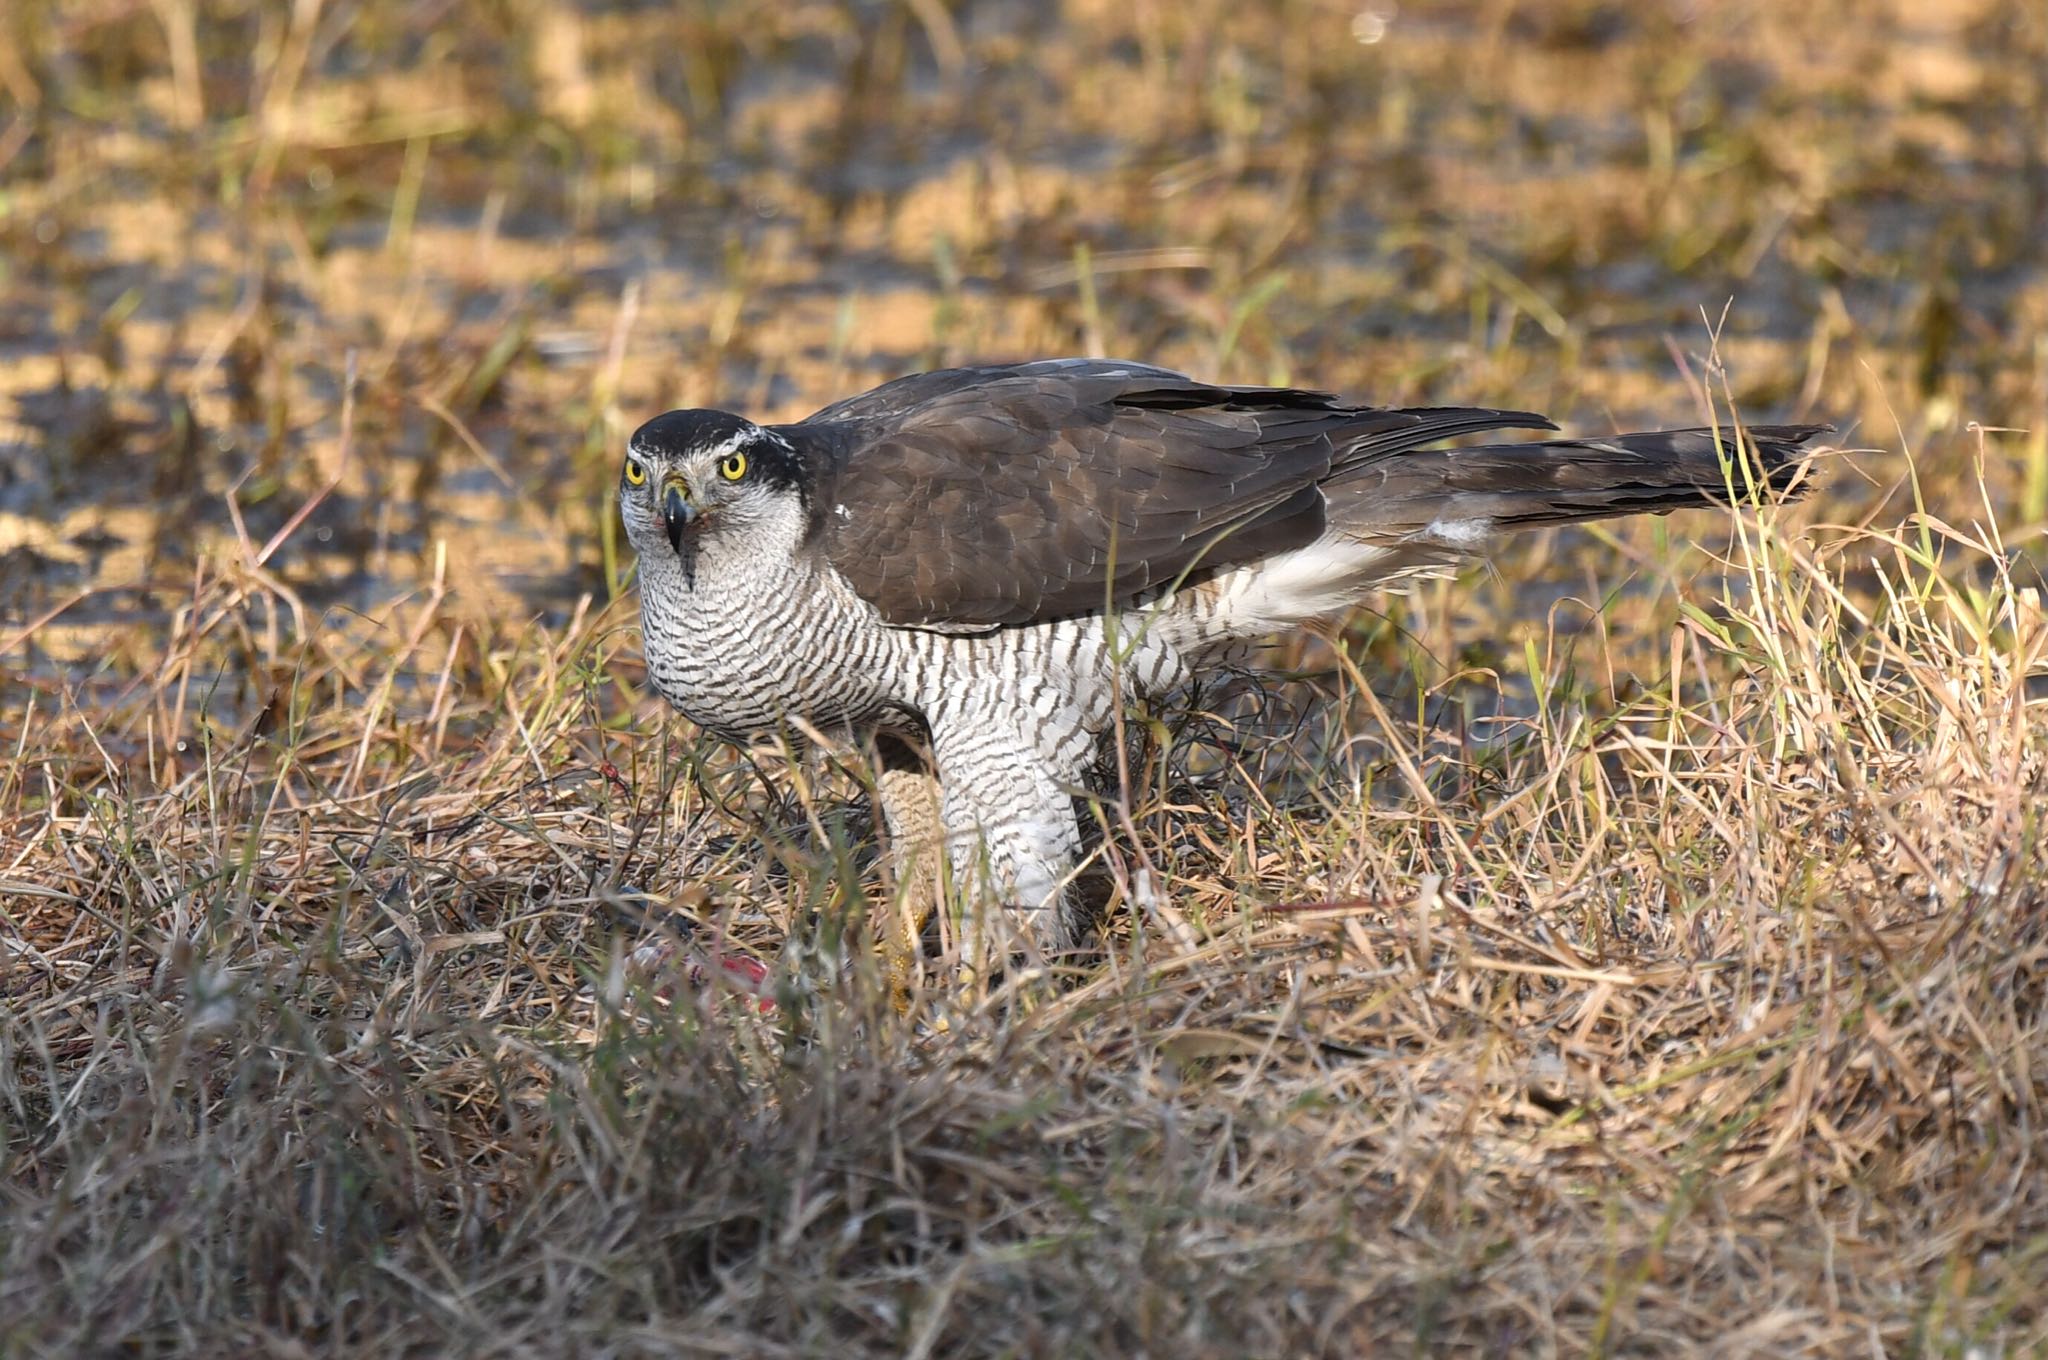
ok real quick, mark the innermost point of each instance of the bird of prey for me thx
(973, 566)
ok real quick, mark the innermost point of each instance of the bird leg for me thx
(1011, 839)
(914, 842)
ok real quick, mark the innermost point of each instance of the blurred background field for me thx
(1655, 962)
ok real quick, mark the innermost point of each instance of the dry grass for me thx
(1643, 948)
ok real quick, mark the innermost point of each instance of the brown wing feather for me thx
(984, 497)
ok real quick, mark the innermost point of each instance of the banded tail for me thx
(1400, 512)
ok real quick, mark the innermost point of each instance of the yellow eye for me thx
(636, 475)
(733, 466)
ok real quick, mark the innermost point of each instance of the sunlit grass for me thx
(1637, 945)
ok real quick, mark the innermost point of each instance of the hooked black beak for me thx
(676, 513)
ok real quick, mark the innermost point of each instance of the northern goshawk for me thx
(972, 566)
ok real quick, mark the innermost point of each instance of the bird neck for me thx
(744, 564)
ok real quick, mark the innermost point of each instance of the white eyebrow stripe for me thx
(731, 445)
(751, 435)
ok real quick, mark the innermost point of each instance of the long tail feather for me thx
(1463, 496)
(1409, 511)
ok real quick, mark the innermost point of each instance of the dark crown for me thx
(678, 434)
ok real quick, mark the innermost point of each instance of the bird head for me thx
(695, 477)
